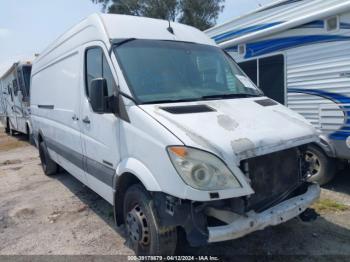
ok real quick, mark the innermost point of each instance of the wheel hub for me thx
(314, 163)
(137, 226)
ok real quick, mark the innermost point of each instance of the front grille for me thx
(273, 177)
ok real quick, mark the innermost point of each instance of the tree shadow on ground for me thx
(91, 199)
(341, 182)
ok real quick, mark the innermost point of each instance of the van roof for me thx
(106, 27)
(150, 28)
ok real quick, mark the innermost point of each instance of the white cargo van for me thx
(164, 125)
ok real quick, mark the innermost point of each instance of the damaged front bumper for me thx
(238, 225)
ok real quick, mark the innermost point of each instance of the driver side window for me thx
(96, 66)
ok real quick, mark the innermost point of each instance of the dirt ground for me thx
(58, 215)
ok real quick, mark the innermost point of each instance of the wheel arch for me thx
(39, 138)
(326, 146)
(124, 181)
(138, 169)
(28, 126)
(129, 172)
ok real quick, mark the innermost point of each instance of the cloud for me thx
(4, 32)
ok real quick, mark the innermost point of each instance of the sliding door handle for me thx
(86, 120)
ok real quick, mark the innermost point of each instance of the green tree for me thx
(199, 13)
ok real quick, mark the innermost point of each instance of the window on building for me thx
(268, 74)
(271, 77)
(251, 69)
(332, 23)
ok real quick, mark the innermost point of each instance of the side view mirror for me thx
(102, 103)
(98, 95)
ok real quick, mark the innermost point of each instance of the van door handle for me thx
(75, 118)
(86, 120)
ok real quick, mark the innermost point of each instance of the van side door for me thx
(100, 132)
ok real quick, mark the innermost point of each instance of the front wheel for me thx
(144, 235)
(322, 168)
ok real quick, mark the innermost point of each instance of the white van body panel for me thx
(101, 27)
(99, 148)
(52, 115)
(151, 157)
(119, 150)
(62, 61)
(238, 129)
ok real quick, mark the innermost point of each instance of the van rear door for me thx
(100, 132)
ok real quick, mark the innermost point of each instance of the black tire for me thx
(49, 166)
(322, 168)
(7, 128)
(12, 132)
(30, 136)
(144, 235)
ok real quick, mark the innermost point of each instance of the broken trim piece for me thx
(257, 221)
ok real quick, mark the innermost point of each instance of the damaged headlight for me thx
(201, 170)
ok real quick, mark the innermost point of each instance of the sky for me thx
(28, 26)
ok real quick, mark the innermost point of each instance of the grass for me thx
(329, 205)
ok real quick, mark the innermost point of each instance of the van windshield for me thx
(172, 71)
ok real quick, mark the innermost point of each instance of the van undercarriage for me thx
(215, 221)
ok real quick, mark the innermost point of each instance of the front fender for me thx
(137, 168)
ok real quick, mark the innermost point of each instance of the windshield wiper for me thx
(119, 42)
(172, 101)
(242, 95)
(209, 97)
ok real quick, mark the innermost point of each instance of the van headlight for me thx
(201, 170)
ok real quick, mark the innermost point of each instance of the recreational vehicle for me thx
(298, 53)
(14, 100)
(162, 123)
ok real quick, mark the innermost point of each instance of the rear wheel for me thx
(49, 166)
(7, 128)
(12, 132)
(30, 137)
(144, 235)
(321, 167)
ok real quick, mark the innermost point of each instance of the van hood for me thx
(234, 129)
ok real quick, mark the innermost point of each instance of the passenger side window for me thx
(98, 67)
